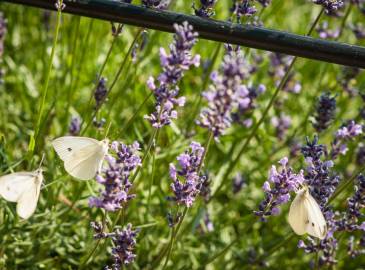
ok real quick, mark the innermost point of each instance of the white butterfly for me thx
(305, 216)
(82, 156)
(22, 188)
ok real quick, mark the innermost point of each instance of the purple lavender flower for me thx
(100, 92)
(318, 175)
(244, 112)
(360, 155)
(281, 125)
(348, 81)
(355, 204)
(208, 224)
(346, 133)
(206, 9)
(327, 246)
(205, 190)
(75, 125)
(159, 4)
(239, 182)
(114, 177)
(326, 33)
(279, 66)
(174, 65)
(3, 29)
(243, 8)
(225, 94)
(189, 170)
(98, 229)
(358, 30)
(356, 248)
(331, 6)
(325, 112)
(124, 244)
(264, 3)
(277, 189)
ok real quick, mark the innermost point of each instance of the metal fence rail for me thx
(250, 36)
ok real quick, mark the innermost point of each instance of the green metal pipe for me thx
(245, 35)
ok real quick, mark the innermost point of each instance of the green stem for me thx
(70, 90)
(99, 75)
(45, 87)
(121, 68)
(170, 247)
(130, 120)
(174, 236)
(85, 261)
(83, 51)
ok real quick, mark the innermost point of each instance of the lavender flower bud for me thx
(243, 8)
(124, 244)
(206, 9)
(100, 92)
(343, 135)
(325, 112)
(75, 125)
(279, 67)
(281, 125)
(358, 30)
(326, 33)
(239, 182)
(264, 3)
(331, 6)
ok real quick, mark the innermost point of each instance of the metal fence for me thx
(245, 35)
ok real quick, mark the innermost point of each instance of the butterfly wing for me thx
(68, 145)
(86, 163)
(316, 224)
(13, 185)
(28, 200)
(82, 156)
(298, 215)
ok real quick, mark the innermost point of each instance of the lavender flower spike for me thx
(331, 6)
(325, 112)
(206, 8)
(124, 244)
(225, 94)
(277, 189)
(342, 136)
(115, 177)
(185, 191)
(100, 92)
(75, 126)
(174, 65)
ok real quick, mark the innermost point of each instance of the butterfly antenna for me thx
(107, 129)
(42, 159)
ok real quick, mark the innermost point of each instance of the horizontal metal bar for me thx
(245, 35)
